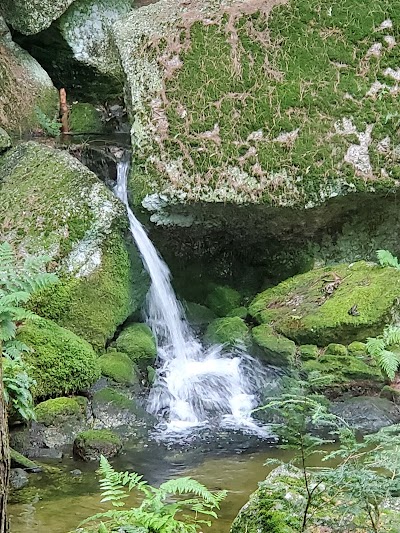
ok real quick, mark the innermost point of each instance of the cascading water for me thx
(194, 386)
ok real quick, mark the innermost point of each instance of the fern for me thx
(381, 348)
(156, 513)
(18, 280)
(51, 127)
(385, 258)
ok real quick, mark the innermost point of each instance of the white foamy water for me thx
(194, 386)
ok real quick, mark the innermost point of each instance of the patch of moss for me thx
(117, 399)
(84, 118)
(276, 349)
(60, 362)
(306, 309)
(308, 351)
(19, 460)
(54, 411)
(357, 349)
(241, 312)
(230, 330)
(336, 349)
(137, 341)
(118, 367)
(390, 393)
(91, 444)
(222, 300)
(345, 369)
(199, 315)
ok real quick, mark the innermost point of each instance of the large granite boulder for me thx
(241, 102)
(50, 203)
(28, 97)
(32, 16)
(337, 304)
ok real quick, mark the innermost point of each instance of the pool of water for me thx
(56, 502)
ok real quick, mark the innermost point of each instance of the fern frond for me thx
(187, 485)
(391, 335)
(389, 362)
(375, 345)
(385, 259)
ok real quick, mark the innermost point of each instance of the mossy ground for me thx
(60, 362)
(229, 102)
(331, 304)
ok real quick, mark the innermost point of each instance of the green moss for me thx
(229, 330)
(346, 369)
(137, 341)
(308, 351)
(390, 393)
(118, 367)
(304, 309)
(84, 118)
(19, 460)
(52, 412)
(117, 399)
(241, 312)
(357, 349)
(336, 349)
(199, 315)
(91, 444)
(222, 300)
(61, 362)
(314, 79)
(276, 349)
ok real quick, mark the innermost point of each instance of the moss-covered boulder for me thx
(60, 361)
(119, 367)
(138, 342)
(275, 349)
(87, 29)
(308, 351)
(29, 99)
(90, 445)
(231, 331)
(222, 300)
(84, 118)
(317, 134)
(357, 349)
(56, 411)
(241, 312)
(114, 408)
(337, 304)
(50, 203)
(32, 16)
(199, 315)
(336, 349)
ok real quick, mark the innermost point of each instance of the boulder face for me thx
(51, 204)
(258, 101)
(32, 16)
(28, 98)
(339, 304)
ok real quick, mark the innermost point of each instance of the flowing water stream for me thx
(195, 385)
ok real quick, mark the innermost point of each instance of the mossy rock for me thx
(222, 300)
(315, 307)
(29, 99)
(90, 445)
(390, 393)
(55, 411)
(316, 136)
(357, 349)
(231, 331)
(308, 351)
(119, 367)
(199, 315)
(77, 221)
(113, 408)
(346, 369)
(19, 460)
(276, 349)
(336, 349)
(60, 361)
(84, 118)
(241, 312)
(137, 341)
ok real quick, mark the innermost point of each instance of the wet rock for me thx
(229, 330)
(119, 367)
(367, 414)
(90, 445)
(223, 299)
(45, 453)
(33, 16)
(275, 349)
(138, 342)
(19, 460)
(76, 472)
(18, 478)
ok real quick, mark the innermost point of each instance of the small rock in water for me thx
(76, 472)
(18, 478)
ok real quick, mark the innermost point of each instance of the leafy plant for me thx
(385, 258)
(51, 127)
(382, 348)
(18, 280)
(159, 512)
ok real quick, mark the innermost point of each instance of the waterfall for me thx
(194, 386)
